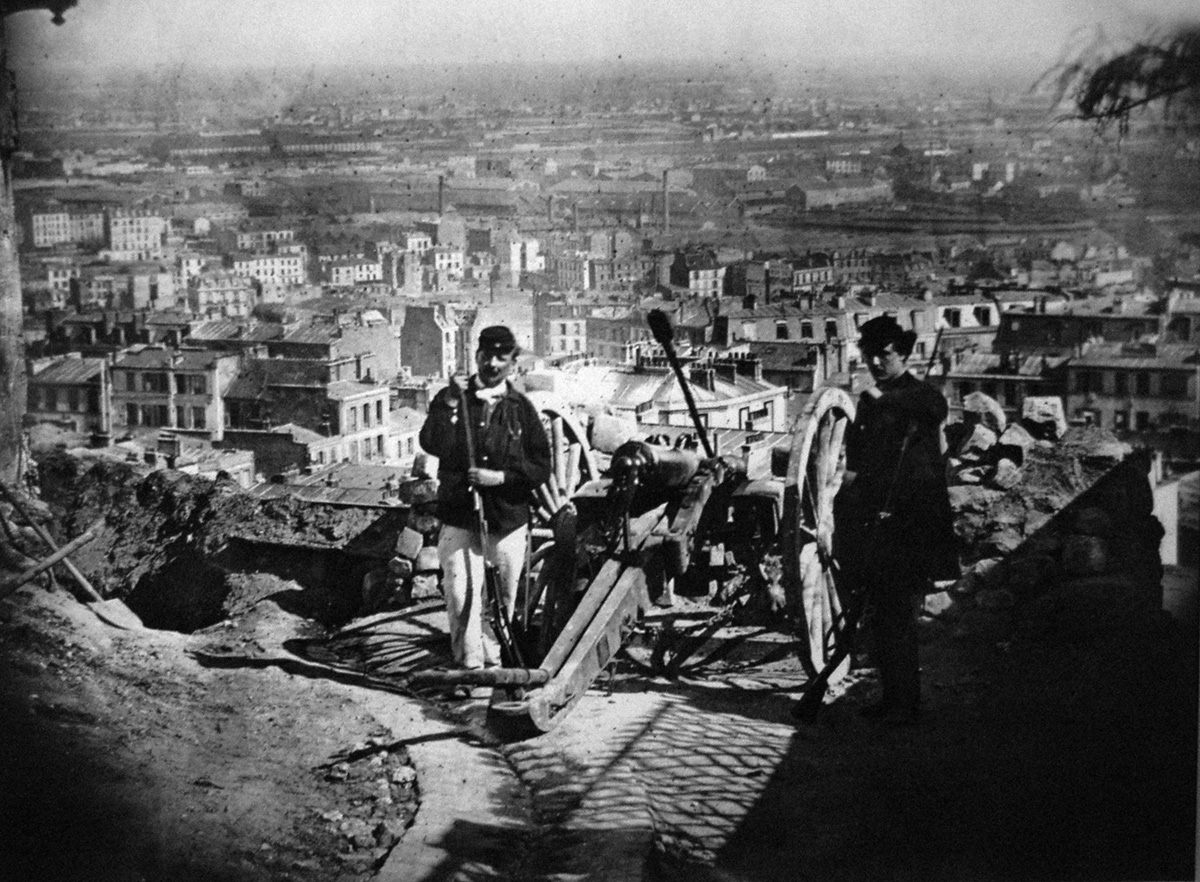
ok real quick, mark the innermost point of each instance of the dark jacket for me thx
(508, 436)
(915, 542)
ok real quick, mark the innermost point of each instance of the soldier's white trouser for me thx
(472, 643)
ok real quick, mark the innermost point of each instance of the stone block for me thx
(1015, 442)
(1044, 417)
(426, 586)
(940, 605)
(976, 445)
(419, 492)
(1007, 475)
(971, 475)
(980, 574)
(427, 561)
(1002, 541)
(409, 543)
(983, 410)
(424, 466)
(400, 567)
(610, 432)
(973, 499)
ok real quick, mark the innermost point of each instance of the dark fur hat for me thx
(879, 332)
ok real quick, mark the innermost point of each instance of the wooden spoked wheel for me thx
(571, 461)
(816, 467)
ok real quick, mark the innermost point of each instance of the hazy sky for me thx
(953, 33)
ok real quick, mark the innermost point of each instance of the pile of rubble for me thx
(1056, 524)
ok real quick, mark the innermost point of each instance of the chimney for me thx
(666, 204)
(441, 193)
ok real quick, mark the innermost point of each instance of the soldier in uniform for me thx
(512, 457)
(895, 530)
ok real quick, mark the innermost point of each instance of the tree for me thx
(1106, 84)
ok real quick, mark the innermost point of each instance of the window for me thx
(1121, 386)
(198, 418)
(1120, 419)
(831, 330)
(983, 316)
(1173, 385)
(367, 415)
(1010, 393)
(1142, 382)
(353, 413)
(408, 446)
(806, 330)
(131, 414)
(781, 331)
(181, 384)
(181, 417)
(379, 444)
(379, 412)
(1083, 382)
(952, 317)
(156, 382)
(51, 399)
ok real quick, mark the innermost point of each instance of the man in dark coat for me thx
(895, 530)
(512, 457)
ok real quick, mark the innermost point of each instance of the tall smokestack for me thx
(666, 205)
(441, 193)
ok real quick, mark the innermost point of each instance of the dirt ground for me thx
(125, 758)
(138, 755)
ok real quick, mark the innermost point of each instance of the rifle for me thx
(510, 654)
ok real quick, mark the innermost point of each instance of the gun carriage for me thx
(606, 545)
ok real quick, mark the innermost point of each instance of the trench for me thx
(191, 591)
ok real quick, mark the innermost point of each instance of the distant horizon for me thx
(941, 37)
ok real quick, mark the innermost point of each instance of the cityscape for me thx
(233, 264)
(248, 255)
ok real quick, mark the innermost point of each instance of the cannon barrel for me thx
(656, 468)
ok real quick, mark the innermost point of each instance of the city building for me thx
(183, 390)
(70, 392)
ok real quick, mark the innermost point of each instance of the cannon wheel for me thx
(571, 460)
(816, 467)
(572, 463)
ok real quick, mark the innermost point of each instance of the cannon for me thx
(607, 545)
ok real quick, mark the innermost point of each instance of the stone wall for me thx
(1060, 541)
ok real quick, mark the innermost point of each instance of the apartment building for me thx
(1135, 386)
(354, 350)
(267, 238)
(273, 269)
(122, 286)
(70, 392)
(134, 234)
(429, 341)
(49, 226)
(222, 295)
(183, 390)
(698, 272)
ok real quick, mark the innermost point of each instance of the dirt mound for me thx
(179, 549)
